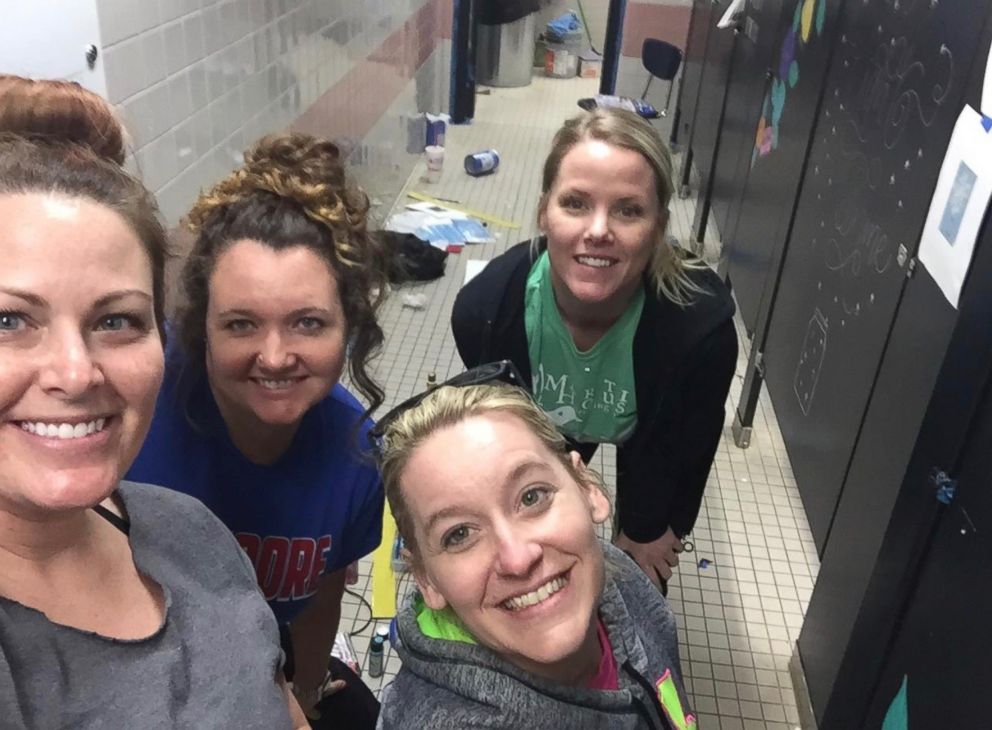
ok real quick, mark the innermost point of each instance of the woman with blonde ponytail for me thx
(624, 337)
(279, 295)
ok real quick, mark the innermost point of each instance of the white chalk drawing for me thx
(811, 360)
(898, 88)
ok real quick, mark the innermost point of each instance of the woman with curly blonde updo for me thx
(280, 292)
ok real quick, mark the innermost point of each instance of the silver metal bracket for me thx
(742, 433)
(759, 363)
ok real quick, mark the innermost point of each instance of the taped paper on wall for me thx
(958, 206)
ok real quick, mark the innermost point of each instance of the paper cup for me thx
(435, 163)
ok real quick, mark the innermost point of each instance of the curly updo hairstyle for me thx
(58, 138)
(291, 191)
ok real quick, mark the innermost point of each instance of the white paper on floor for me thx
(472, 269)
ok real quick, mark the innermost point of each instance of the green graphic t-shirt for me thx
(589, 395)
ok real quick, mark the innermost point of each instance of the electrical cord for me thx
(367, 605)
(585, 25)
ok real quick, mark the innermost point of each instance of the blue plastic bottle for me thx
(482, 163)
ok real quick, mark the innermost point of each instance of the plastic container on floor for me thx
(437, 127)
(435, 163)
(540, 51)
(376, 656)
(561, 61)
(482, 163)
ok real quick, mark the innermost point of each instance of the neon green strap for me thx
(668, 696)
(441, 624)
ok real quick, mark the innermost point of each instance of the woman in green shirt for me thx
(623, 337)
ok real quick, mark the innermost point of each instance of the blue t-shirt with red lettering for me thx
(314, 511)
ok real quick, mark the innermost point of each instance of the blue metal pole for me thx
(611, 49)
(462, 101)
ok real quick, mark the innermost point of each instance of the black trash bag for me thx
(410, 258)
(501, 12)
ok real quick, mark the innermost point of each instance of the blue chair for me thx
(661, 60)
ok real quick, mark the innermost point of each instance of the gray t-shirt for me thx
(212, 664)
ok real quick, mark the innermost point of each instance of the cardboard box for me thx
(590, 66)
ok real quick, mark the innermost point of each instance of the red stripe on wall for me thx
(352, 106)
(447, 13)
(355, 103)
(667, 22)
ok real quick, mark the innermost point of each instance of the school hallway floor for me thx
(740, 597)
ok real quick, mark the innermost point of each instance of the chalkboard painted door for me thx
(801, 43)
(892, 94)
(938, 670)
(932, 374)
(749, 81)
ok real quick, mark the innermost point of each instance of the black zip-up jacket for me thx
(684, 360)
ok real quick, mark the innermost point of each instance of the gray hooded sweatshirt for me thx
(452, 685)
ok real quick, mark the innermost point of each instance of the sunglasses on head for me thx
(503, 371)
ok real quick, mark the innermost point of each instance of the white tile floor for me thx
(740, 612)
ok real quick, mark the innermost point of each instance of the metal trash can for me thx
(505, 53)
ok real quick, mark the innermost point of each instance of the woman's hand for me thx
(313, 632)
(656, 558)
(308, 701)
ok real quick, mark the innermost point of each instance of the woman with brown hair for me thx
(623, 337)
(279, 294)
(121, 605)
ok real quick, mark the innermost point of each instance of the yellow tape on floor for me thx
(496, 221)
(383, 578)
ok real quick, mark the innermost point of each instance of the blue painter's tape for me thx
(987, 123)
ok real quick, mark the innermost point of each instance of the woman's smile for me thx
(537, 601)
